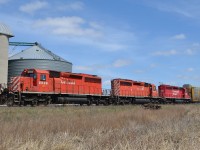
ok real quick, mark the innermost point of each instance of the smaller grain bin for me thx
(36, 57)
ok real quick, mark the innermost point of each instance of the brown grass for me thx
(101, 128)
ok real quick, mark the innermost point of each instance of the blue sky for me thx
(153, 41)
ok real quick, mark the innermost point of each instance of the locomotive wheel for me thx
(116, 103)
(25, 103)
(89, 103)
(33, 103)
(47, 102)
(105, 103)
(21, 103)
(97, 103)
(122, 102)
(10, 102)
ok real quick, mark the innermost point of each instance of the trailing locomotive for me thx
(173, 93)
(128, 91)
(36, 87)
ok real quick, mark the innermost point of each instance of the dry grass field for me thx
(100, 128)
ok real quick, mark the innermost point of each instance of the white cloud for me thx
(146, 69)
(106, 83)
(195, 44)
(72, 6)
(139, 71)
(68, 26)
(121, 63)
(30, 8)
(190, 69)
(179, 37)
(184, 8)
(193, 49)
(83, 68)
(189, 78)
(188, 9)
(153, 65)
(109, 46)
(94, 67)
(4, 1)
(190, 52)
(166, 53)
(95, 25)
(78, 30)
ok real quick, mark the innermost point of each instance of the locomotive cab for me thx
(34, 80)
(154, 92)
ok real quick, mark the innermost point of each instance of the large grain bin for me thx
(36, 57)
(5, 34)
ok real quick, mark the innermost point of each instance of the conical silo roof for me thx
(36, 52)
(5, 30)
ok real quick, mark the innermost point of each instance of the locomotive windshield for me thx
(32, 75)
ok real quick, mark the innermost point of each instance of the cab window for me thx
(42, 77)
(34, 76)
(154, 88)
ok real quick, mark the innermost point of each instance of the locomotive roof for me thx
(124, 79)
(84, 74)
(81, 74)
(165, 85)
(128, 80)
(37, 70)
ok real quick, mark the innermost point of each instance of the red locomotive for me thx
(36, 86)
(130, 90)
(173, 93)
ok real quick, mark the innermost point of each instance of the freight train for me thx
(35, 87)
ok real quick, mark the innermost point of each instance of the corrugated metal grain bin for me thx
(39, 58)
